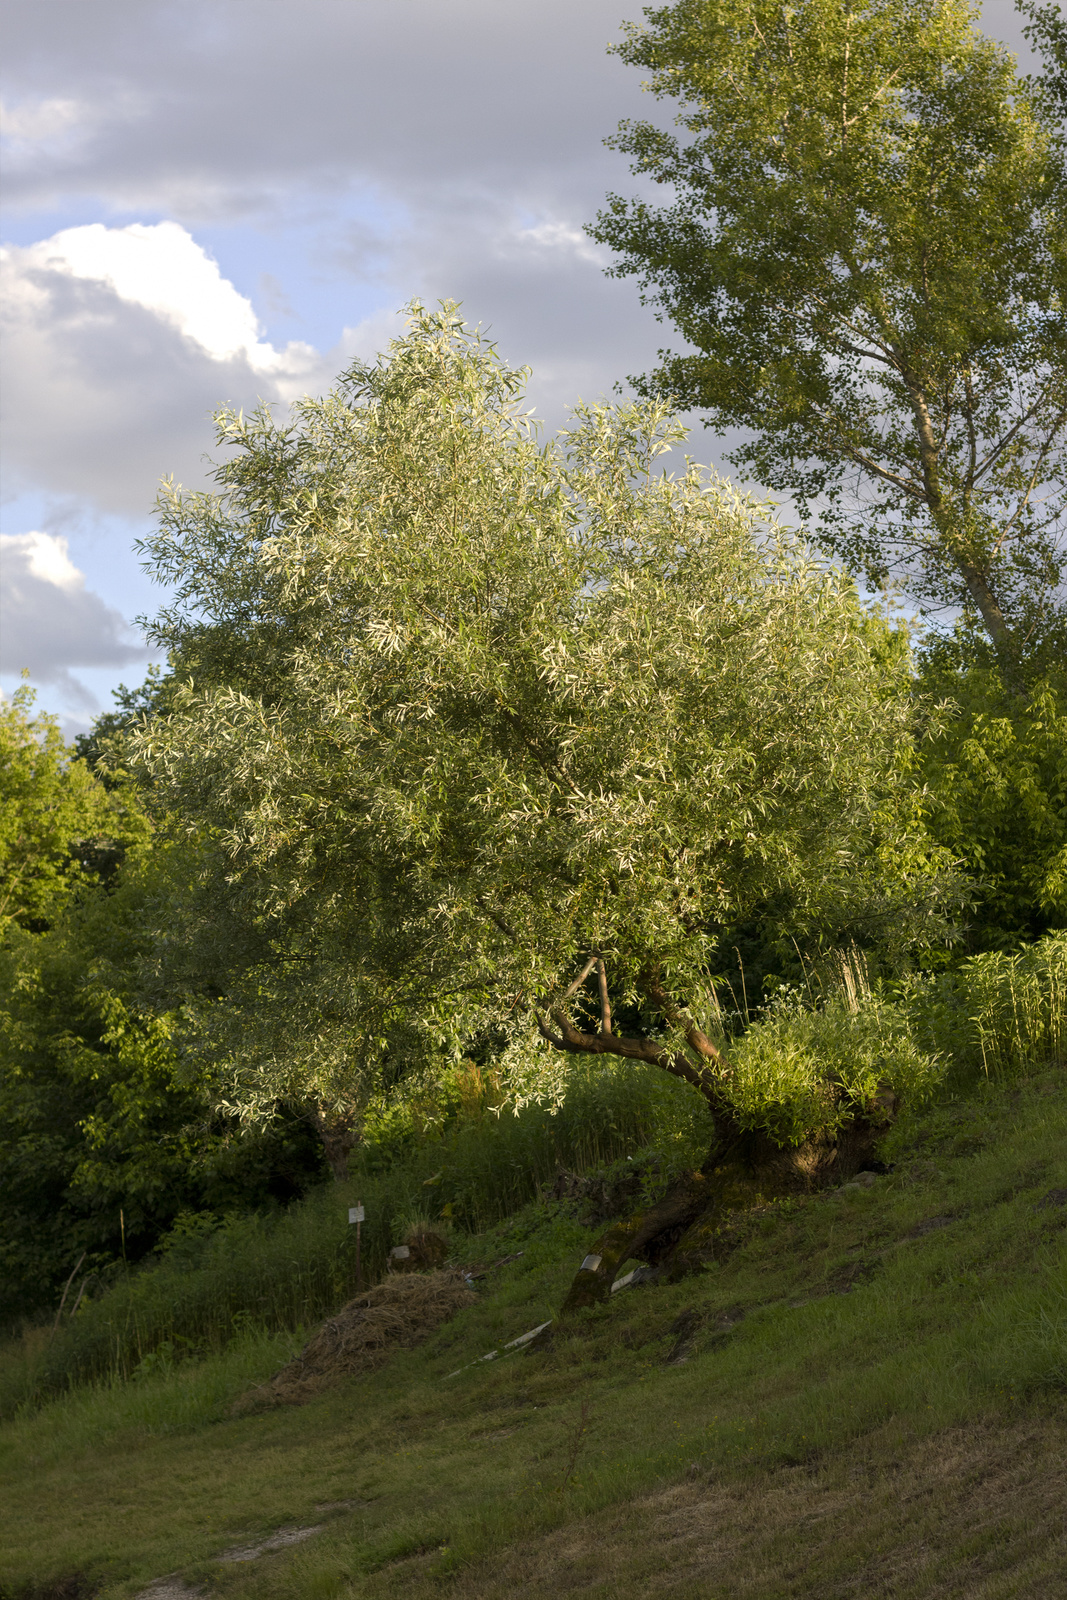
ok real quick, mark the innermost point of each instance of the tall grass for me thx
(1018, 1006)
(487, 1166)
(286, 1272)
(997, 1015)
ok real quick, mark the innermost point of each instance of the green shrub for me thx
(801, 1072)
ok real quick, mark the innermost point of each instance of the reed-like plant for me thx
(998, 1014)
(1017, 1005)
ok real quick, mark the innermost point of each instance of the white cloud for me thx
(35, 121)
(44, 557)
(562, 236)
(50, 622)
(119, 343)
(162, 268)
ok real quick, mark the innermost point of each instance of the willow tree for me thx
(865, 251)
(504, 735)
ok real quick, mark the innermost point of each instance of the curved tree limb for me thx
(706, 1074)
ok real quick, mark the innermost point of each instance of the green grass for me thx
(876, 1368)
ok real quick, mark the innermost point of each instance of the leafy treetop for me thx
(489, 734)
(867, 255)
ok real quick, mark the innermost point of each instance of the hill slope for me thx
(866, 1396)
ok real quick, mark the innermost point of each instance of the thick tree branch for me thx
(655, 1053)
(605, 1000)
(695, 1038)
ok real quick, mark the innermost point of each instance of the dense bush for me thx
(803, 1072)
(106, 1134)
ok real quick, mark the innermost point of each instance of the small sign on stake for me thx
(356, 1215)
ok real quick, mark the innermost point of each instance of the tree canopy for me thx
(867, 254)
(483, 733)
(60, 829)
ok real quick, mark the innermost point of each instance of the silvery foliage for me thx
(460, 707)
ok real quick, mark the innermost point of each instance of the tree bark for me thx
(337, 1132)
(680, 1206)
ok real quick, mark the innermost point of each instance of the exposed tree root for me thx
(684, 1229)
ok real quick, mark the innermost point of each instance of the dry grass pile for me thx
(394, 1315)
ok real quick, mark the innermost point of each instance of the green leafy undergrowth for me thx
(996, 1015)
(859, 1325)
(801, 1072)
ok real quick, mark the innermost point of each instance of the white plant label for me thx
(356, 1214)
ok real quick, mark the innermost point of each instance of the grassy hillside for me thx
(866, 1396)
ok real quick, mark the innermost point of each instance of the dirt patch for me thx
(171, 1589)
(931, 1225)
(603, 1196)
(275, 1541)
(394, 1315)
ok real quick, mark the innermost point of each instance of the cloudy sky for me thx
(225, 200)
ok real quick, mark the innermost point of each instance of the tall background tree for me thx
(1046, 31)
(867, 252)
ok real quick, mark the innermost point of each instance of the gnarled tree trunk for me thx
(681, 1205)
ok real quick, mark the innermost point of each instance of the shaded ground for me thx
(975, 1513)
